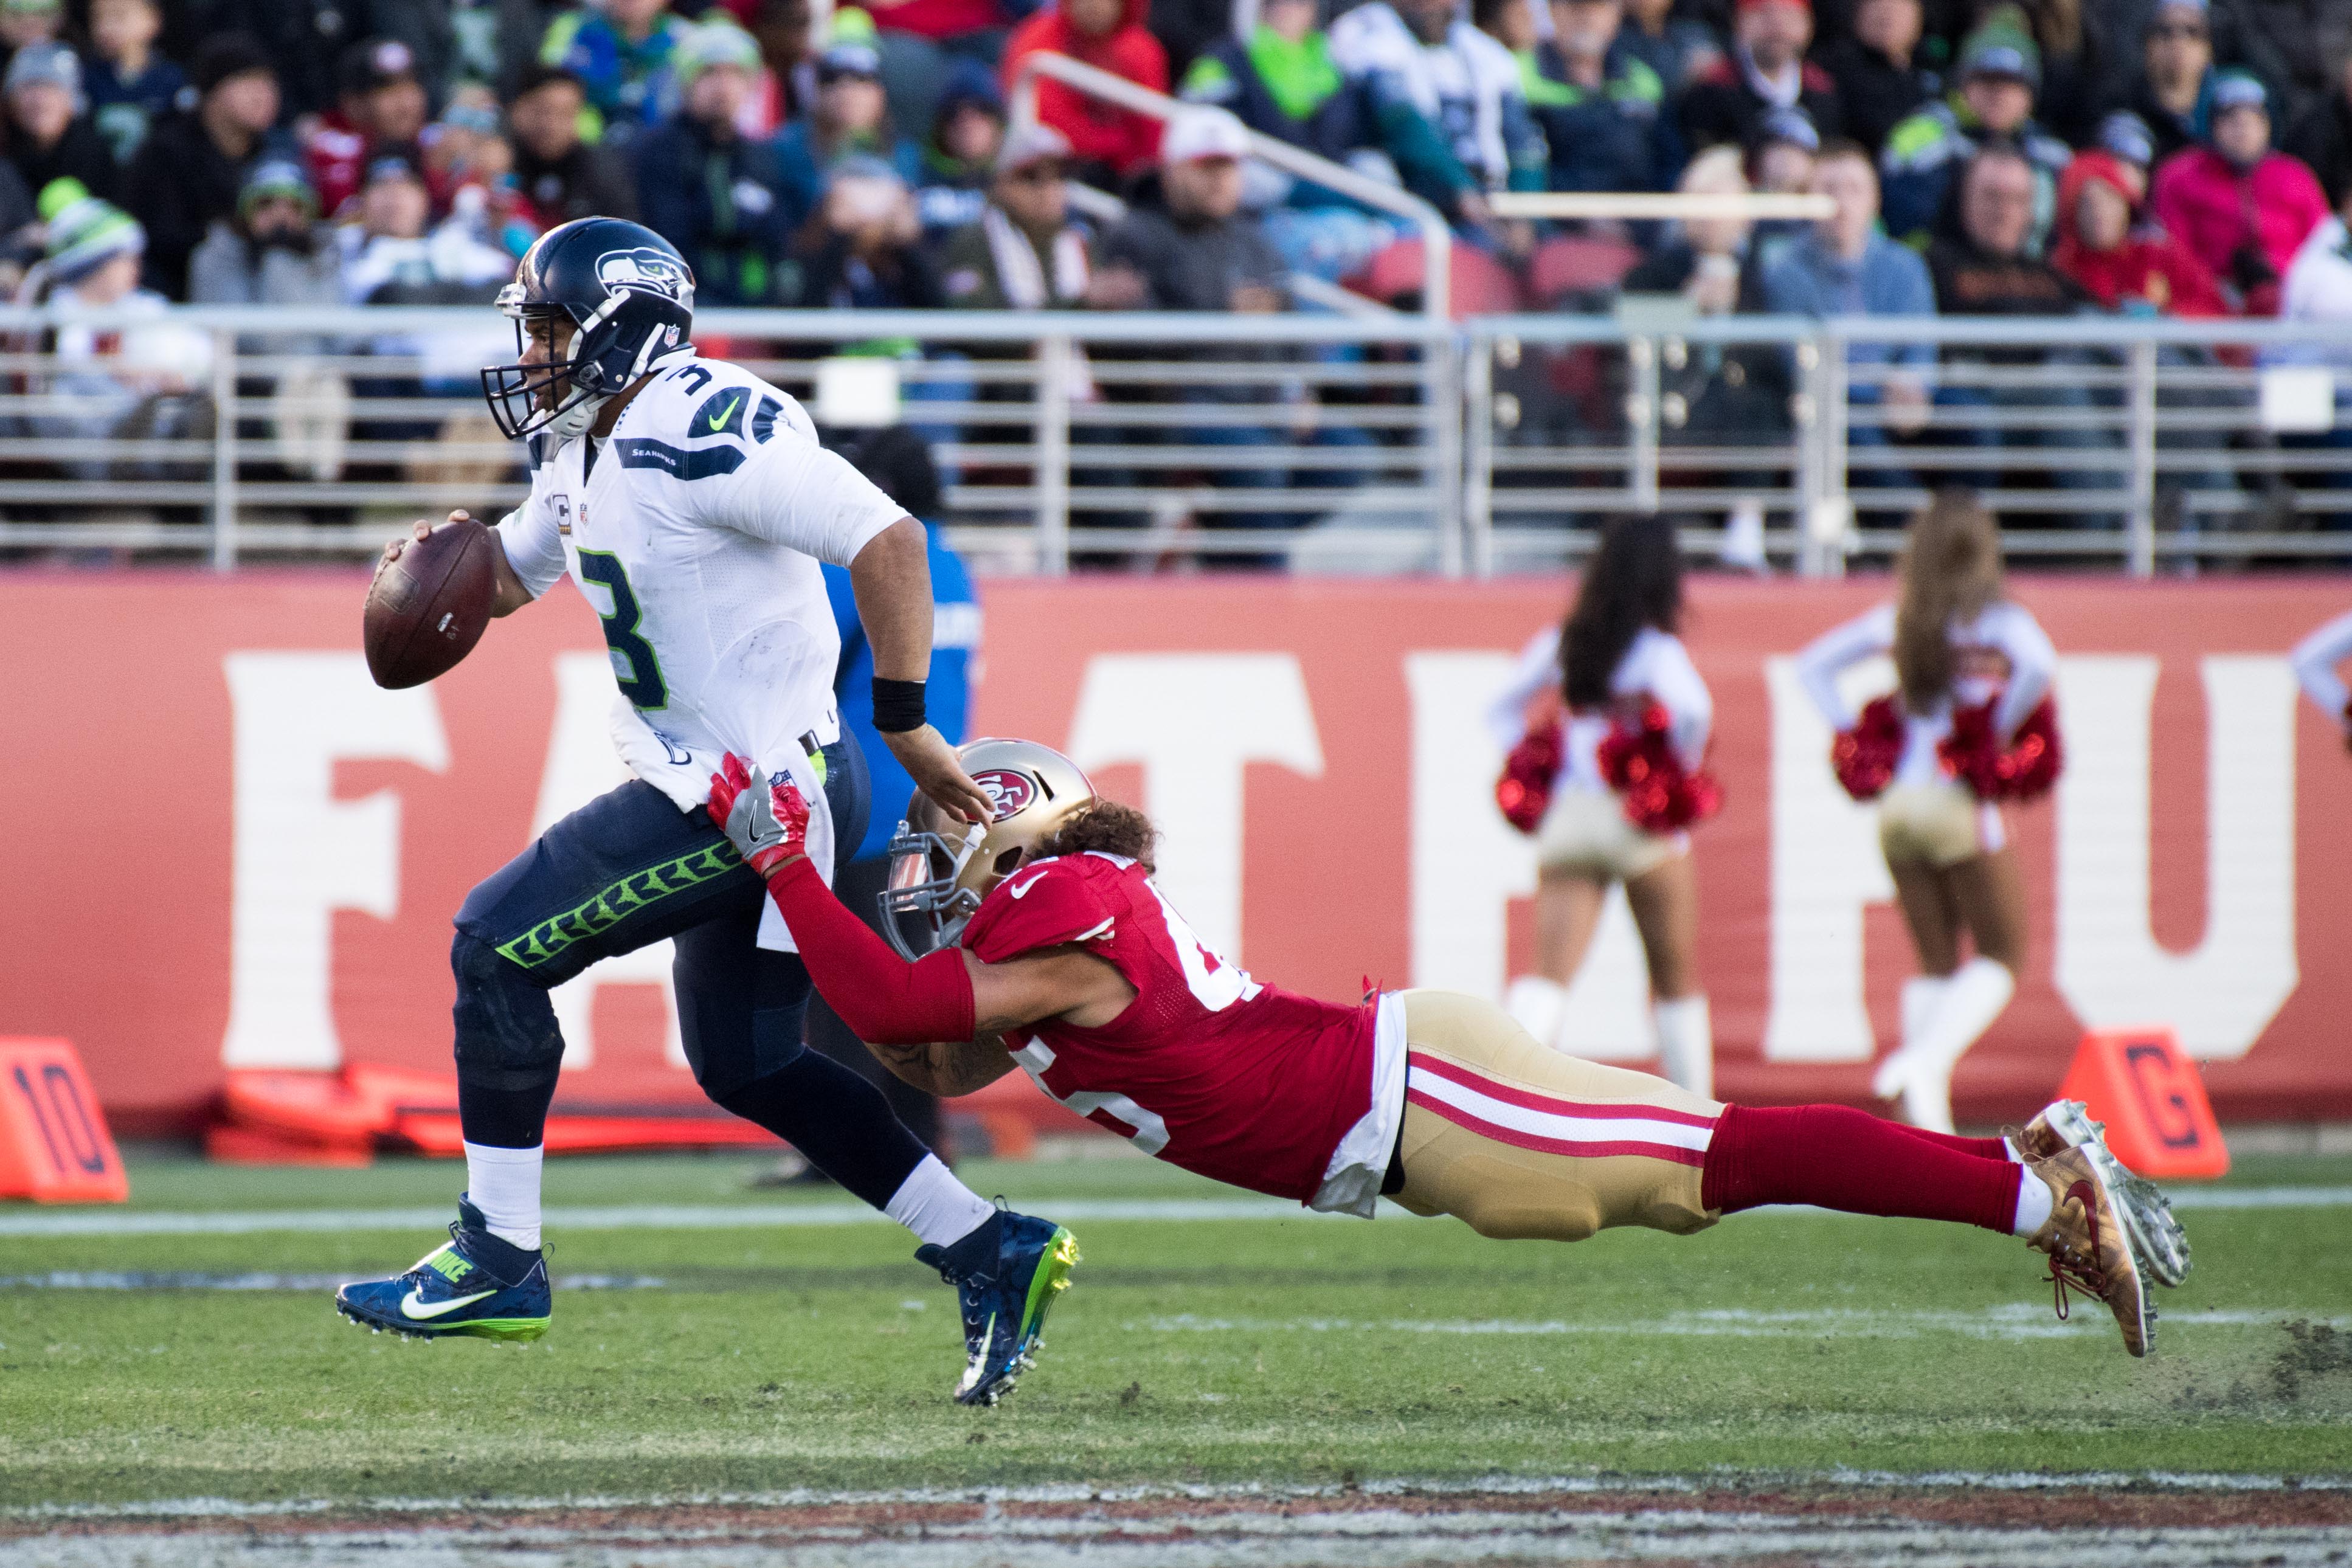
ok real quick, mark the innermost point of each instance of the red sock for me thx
(1833, 1157)
(1983, 1148)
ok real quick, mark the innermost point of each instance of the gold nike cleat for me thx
(2088, 1250)
(2157, 1236)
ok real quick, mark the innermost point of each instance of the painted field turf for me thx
(706, 1361)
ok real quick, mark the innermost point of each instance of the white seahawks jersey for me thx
(696, 534)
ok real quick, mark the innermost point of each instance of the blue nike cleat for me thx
(1006, 1275)
(475, 1284)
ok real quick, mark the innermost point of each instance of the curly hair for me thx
(1106, 828)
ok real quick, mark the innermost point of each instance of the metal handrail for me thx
(1436, 235)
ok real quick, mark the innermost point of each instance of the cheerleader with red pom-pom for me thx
(1610, 720)
(2314, 660)
(1968, 726)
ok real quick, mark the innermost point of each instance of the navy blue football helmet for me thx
(631, 297)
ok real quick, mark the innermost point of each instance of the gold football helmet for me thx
(941, 868)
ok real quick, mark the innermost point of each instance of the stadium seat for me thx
(1578, 263)
(1482, 286)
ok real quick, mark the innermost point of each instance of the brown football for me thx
(427, 609)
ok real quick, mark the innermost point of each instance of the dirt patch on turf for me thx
(2126, 1524)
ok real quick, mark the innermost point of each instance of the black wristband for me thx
(898, 705)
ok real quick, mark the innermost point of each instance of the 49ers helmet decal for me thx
(941, 868)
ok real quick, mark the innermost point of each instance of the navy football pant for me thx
(625, 870)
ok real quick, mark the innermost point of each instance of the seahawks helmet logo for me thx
(646, 271)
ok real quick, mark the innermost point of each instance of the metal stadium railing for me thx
(1323, 443)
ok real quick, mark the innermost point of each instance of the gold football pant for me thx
(1517, 1140)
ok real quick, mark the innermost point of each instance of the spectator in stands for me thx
(272, 251)
(1110, 35)
(852, 118)
(492, 43)
(469, 167)
(922, 41)
(1719, 396)
(20, 235)
(130, 86)
(2322, 135)
(1023, 253)
(561, 176)
(2239, 207)
(2068, 38)
(2125, 264)
(1984, 265)
(391, 254)
(1780, 163)
(118, 384)
(1282, 82)
(1193, 248)
(48, 136)
(193, 164)
(2125, 137)
(382, 106)
(702, 186)
(24, 23)
(1674, 46)
(1845, 265)
(1880, 82)
(2169, 91)
(788, 85)
(960, 158)
(619, 50)
(1999, 72)
(1452, 96)
(1767, 70)
(1602, 110)
(863, 250)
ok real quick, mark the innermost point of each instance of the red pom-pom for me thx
(1638, 761)
(2024, 770)
(1524, 791)
(1864, 758)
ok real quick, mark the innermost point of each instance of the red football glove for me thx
(767, 821)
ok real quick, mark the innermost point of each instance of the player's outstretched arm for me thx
(936, 1022)
(511, 593)
(891, 577)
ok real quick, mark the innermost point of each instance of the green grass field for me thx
(1283, 1349)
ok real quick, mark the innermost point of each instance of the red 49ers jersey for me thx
(1207, 1069)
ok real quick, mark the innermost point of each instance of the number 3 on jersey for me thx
(635, 666)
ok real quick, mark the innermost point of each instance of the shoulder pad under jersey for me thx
(1044, 906)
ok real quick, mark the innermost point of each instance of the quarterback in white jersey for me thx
(693, 505)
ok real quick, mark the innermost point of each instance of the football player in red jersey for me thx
(1047, 948)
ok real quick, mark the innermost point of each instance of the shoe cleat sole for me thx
(2156, 1235)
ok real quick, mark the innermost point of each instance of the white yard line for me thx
(2011, 1322)
(772, 1215)
(1676, 1485)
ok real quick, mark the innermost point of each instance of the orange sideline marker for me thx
(2148, 1092)
(54, 1145)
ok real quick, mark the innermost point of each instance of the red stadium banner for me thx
(225, 847)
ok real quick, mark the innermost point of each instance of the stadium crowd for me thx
(1985, 157)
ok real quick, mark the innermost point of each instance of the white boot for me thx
(1540, 1006)
(1921, 995)
(1973, 997)
(1686, 1043)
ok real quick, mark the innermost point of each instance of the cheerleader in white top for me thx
(1970, 725)
(1611, 723)
(2315, 659)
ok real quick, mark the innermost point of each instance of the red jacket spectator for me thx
(1108, 35)
(2239, 207)
(2124, 266)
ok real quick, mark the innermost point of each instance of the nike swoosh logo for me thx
(412, 1305)
(1022, 890)
(718, 420)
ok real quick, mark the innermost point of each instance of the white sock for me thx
(1686, 1043)
(939, 1209)
(1540, 1006)
(1974, 996)
(2016, 1155)
(1921, 996)
(504, 1185)
(2033, 1205)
